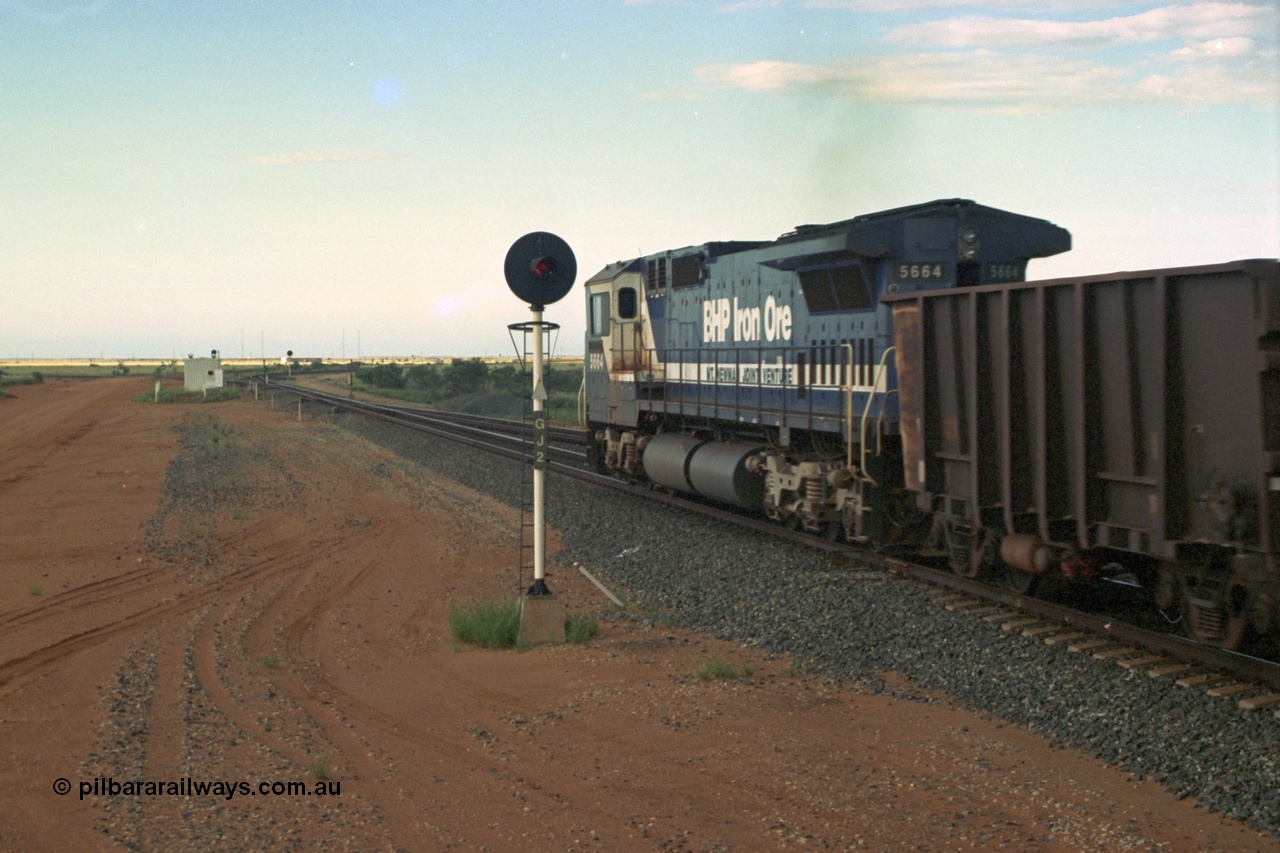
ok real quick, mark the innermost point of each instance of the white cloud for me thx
(1197, 21)
(978, 78)
(1215, 49)
(768, 76)
(985, 5)
(1227, 54)
(1196, 76)
(993, 81)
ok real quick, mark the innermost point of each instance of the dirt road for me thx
(201, 604)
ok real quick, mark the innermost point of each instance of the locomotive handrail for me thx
(875, 383)
(698, 380)
(848, 407)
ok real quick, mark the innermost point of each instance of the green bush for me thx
(579, 629)
(390, 375)
(466, 376)
(422, 377)
(496, 624)
(438, 384)
(717, 668)
(489, 624)
(509, 379)
(180, 395)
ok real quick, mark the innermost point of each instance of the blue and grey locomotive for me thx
(761, 373)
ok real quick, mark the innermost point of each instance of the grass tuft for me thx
(170, 395)
(488, 624)
(321, 767)
(579, 629)
(717, 668)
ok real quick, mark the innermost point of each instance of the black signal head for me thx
(540, 268)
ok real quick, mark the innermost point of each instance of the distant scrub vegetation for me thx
(34, 377)
(443, 384)
(181, 395)
(438, 384)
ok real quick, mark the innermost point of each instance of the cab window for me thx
(600, 314)
(626, 303)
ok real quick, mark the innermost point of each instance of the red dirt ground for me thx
(302, 625)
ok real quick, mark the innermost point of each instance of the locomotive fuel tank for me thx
(721, 471)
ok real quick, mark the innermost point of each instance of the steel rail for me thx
(567, 435)
(501, 437)
(1263, 672)
(1246, 667)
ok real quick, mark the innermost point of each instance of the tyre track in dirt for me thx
(96, 602)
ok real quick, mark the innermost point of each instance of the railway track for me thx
(1251, 681)
(499, 436)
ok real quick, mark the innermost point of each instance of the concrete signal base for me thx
(541, 620)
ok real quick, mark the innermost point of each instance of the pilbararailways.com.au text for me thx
(188, 787)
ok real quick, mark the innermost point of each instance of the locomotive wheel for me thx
(833, 531)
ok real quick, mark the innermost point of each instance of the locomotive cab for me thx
(617, 320)
(620, 351)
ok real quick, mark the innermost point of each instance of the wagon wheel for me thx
(1023, 583)
(1222, 624)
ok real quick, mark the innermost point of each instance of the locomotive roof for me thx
(929, 209)
(881, 234)
(871, 234)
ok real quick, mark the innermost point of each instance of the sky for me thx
(343, 179)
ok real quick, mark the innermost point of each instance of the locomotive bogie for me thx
(805, 494)
(619, 451)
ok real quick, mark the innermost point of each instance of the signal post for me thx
(540, 269)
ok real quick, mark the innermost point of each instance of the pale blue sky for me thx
(182, 176)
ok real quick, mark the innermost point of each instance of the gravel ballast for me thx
(856, 624)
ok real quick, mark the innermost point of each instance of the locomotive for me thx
(894, 380)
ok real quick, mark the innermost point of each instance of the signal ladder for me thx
(525, 545)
